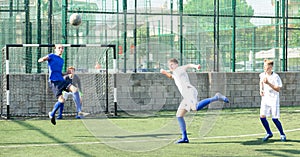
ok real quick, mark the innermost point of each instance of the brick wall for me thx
(145, 92)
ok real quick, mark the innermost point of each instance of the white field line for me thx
(247, 135)
(131, 141)
(81, 143)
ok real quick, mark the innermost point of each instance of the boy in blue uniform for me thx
(189, 94)
(57, 83)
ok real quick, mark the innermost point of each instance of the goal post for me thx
(105, 56)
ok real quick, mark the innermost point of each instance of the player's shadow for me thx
(52, 137)
(279, 152)
(139, 136)
(257, 141)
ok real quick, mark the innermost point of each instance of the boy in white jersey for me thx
(189, 94)
(270, 84)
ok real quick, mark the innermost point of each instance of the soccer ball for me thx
(75, 19)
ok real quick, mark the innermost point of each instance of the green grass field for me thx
(235, 132)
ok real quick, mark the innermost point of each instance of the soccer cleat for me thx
(182, 141)
(283, 138)
(267, 137)
(59, 117)
(222, 97)
(52, 118)
(83, 113)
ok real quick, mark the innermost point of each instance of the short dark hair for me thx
(174, 60)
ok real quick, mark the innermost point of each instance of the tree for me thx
(204, 24)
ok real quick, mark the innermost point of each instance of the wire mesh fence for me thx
(221, 35)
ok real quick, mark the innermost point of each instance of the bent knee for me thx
(73, 89)
(262, 116)
(61, 99)
(180, 113)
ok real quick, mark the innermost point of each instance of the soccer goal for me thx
(25, 88)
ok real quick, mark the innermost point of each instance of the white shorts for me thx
(189, 100)
(268, 110)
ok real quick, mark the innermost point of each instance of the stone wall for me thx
(142, 92)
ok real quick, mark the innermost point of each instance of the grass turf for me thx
(227, 133)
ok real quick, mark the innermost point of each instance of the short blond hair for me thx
(269, 62)
(71, 67)
(57, 45)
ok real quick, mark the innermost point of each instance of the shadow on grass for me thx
(145, 115)
(260, 142)
(57, 141)
(279, 152)
(257, 141)
(139, 136)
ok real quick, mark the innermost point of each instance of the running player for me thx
(270, 84)
(189, 93)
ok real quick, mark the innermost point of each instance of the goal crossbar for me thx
(8, 46)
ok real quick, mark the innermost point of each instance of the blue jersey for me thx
(55, 65)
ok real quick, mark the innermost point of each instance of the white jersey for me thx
(188, 92)
(181, 79)
(271, 97)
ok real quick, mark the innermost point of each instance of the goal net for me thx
(25, 89)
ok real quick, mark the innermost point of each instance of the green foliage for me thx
(206, 8)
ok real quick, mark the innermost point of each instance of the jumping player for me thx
(189, 94)
(57, 82)
(270, 84)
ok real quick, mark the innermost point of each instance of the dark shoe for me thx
(59, 117)
(52, 118)
(266, 138)
(182, 141)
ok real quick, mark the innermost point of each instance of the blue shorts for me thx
(59, 86)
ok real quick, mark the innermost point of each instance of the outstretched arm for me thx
(45, 58)
(165, 73)
(196, 66)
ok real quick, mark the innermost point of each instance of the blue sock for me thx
(266, 125)
(214, 98)
(278, 125)
(182, 127)
(76, 99)
(61, 109)
(55, 108)
(205, 102)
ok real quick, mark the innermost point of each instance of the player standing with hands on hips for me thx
(270, 84)
(57, 83)
(189, 94)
